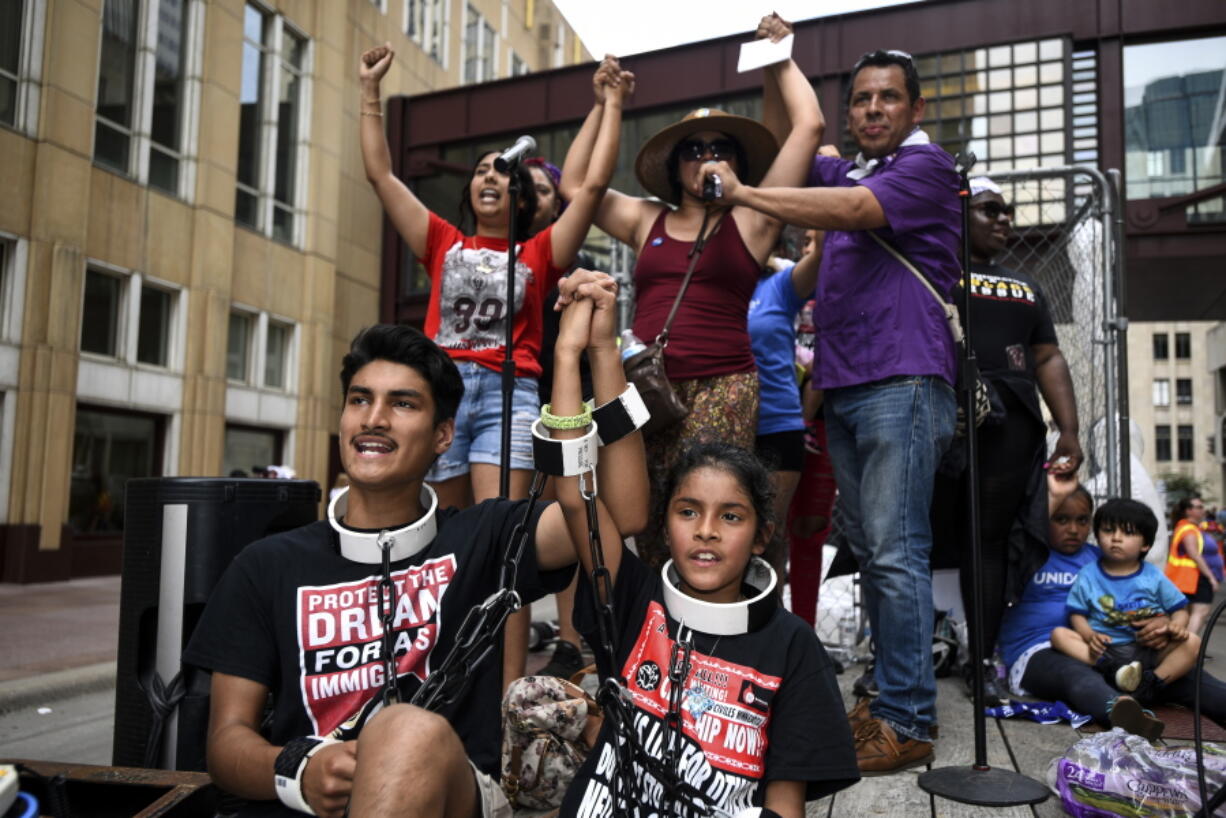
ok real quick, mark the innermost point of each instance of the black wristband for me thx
(620, 416)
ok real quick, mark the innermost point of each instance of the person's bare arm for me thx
(408, 215)
(571, 228)
(1193, 553)
(804, 274)
(1178, 629)
(1095, 641)
(1056, 386)
(617, 214)
(824, 208)
(241, 761)
(786, 798)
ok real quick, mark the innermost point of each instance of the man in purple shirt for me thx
(884, 355)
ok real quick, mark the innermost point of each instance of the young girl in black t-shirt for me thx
(760, 716)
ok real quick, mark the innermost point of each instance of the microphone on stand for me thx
(511, 156)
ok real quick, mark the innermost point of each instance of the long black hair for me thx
(672, 165)
(527, 200)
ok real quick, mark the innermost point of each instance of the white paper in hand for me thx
(760, 53)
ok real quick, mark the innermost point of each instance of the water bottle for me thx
(847, 631)
(631, 344)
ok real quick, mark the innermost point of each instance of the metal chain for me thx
(387, 614)
(482, 625)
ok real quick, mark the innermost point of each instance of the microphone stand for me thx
(979, 784)
(508, 362)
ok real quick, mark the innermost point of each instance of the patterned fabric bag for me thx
(548, 727)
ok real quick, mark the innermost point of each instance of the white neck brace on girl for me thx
(363, 546)
(728, 618)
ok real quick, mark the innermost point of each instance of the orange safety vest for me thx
(1180, 569)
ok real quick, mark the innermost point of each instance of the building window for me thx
(381, 5)
(101, 313)
(272, 126)
(109, 449)
(1183, 391)
(516, 67)
(478, 47)
(238, 346)
(260, 350)
(1173, 140)
(147, 91)
(1162, 392)
(425, 23)
(1183, 345)
(1161, 346)
(249, 447)
(153, 333)
(128, 317)
(1162, 443)
(21, 57)
(1185, 443)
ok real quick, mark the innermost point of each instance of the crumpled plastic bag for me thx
(1118, 774)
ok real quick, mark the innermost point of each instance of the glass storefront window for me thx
(1174, 106)
(109, 448)
(247, 447)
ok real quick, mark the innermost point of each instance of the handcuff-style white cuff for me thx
(288, 769)
(563, 458)
(363, 546)
(723, 618)
(621, 416)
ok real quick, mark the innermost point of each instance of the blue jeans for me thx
(885, 441)
(478, 423)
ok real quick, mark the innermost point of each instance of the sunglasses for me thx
(692, 150)
(994, 210)
(874, 55)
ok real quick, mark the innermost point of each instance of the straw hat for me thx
(651, 165)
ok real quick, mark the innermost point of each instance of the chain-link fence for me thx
(1067, 239)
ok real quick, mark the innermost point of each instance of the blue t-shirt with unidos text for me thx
(1111, 603)
(1042, 605)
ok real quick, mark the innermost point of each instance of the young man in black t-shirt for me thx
(298, 614)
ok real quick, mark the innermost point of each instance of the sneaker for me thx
(994, 694)
(1149, 689)
(1125, 678)
(879, 750)
(1127, 714)
(567, 660)
(866, 685)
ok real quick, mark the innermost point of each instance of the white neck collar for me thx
(865, 167)
(363, 546)
(727, 618)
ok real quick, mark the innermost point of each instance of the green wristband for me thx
(551, 421)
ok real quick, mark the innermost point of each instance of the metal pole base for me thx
(983, 788)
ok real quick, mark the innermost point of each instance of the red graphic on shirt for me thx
(725, 706)
(340, 639)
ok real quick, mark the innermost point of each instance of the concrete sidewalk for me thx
(57, 639)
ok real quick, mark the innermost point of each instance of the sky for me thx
(625, 27)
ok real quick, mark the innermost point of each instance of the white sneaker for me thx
(1128, 677)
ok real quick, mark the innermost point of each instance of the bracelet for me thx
(563, 458)
(288, 769)
(552, 421)
(373, 113)
(619, 417)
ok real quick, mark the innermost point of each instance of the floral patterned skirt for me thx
(722, 408)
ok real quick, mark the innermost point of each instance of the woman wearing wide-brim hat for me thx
(708, 356)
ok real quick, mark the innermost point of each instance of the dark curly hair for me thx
(1180, 509)
(748, 471)
(884, 59)
(406, 345)
(527, 200)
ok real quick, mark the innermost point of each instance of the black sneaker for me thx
(567, 660)
(866, 685)
(1150, 688)
(994, 693)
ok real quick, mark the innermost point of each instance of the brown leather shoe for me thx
(861, 713)
(879, 751)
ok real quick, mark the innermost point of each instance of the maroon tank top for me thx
(710, 335)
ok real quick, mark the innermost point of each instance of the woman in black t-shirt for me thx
(1017, 350)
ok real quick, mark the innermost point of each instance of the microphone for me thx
(511, 156)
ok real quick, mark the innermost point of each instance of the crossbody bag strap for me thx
(951, 312)
(695, 252)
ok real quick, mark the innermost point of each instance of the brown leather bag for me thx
(646, 369)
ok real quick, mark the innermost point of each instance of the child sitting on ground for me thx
(1120, 588)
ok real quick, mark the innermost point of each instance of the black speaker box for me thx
(180, 533)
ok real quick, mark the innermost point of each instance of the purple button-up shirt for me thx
(873, 319)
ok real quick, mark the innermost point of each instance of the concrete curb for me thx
(38, 690)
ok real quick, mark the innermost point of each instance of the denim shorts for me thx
(478, 423)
